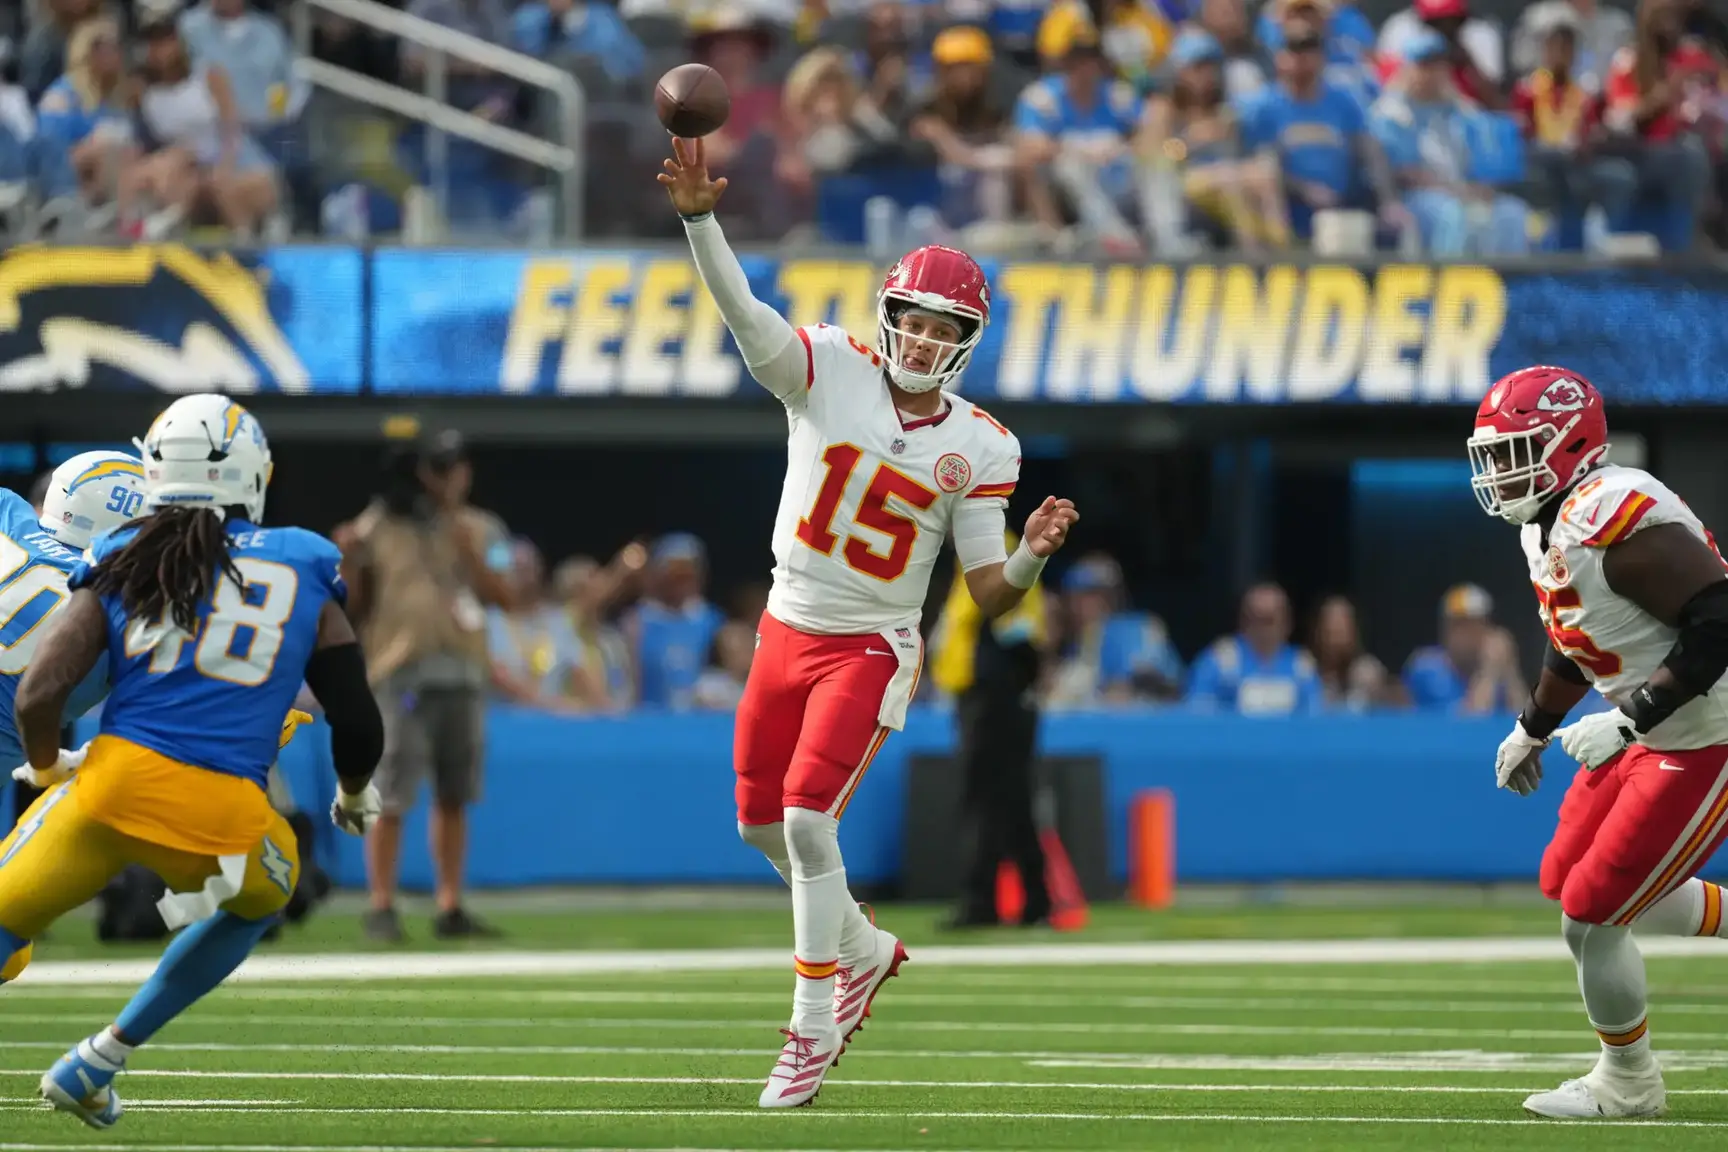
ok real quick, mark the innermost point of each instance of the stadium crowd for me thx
(1110, 127)
(642, 630)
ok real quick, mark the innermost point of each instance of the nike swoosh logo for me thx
(1667, 767)
(876, 652)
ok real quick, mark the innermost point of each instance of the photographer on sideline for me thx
(422, 564)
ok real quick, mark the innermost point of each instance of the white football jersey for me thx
(868, 498)
(1616, 643)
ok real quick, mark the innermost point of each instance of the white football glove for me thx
(1518, 763)
(354, 812)
(69, 762)
(1598, 738)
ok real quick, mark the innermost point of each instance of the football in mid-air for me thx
(691, 101)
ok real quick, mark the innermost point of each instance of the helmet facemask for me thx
(1511, 473)
(936, 362)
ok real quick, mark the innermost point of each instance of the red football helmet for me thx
(1537, 432)
(938, 282)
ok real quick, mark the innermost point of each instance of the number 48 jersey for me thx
(216, 698)
(1616, 643)
(869, 498)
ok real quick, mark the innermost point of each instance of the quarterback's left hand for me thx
(1598, 738)
(355, 812)
(69, 762)
(1047, 528)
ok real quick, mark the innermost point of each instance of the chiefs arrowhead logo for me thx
(1562, 396)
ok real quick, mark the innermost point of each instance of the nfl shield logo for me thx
(903, 633)
(898, 446)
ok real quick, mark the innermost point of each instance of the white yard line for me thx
(1568, 1006)
(825, 1114)
(1200, 953)
(984, 1027)
(689, 1081)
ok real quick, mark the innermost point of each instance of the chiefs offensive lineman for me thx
(1634, 596)
(882, 465)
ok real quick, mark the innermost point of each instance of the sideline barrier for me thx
(1397, 797)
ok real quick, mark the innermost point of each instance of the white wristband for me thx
(1022, 568)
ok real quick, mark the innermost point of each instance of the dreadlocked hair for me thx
(171, 568)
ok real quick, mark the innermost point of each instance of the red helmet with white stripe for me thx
(1538, 431)
(931, 290)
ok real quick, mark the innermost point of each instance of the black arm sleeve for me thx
(337, 677)
(1697, 660)
(1562, 666)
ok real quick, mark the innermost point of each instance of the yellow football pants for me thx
(60, 855)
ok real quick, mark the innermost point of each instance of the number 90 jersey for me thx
(1616, 643)
(215, 699)
(868, 498)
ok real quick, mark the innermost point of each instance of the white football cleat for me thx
(858, 979)
(804, 1061)
(1601, 1095)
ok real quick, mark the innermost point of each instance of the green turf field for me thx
(1018, 1048)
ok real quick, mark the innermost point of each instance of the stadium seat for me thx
(840, 199)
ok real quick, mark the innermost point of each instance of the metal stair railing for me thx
(432, 106)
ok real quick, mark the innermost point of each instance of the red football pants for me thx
(1634, 830)
(812, 716)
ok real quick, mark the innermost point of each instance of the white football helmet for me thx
(207, 451)
(90, 494)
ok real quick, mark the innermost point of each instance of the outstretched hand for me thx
(1047, 528)
(686, 179)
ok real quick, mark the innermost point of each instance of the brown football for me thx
(691, 101)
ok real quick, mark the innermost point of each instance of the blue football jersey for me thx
(215, 699)
(33, 585)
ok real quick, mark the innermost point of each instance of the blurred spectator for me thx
(1602, 31)
(830, 125)
(553, 28)
(1347, 35)
(254, 53)
(353, 46)
(1646, 102)
(968, 130)
(588, 592)
(1427, 131)
(43, 57)
(85, 125)
(1474, 668)
(1257, 672)
(1196, 145)
(1073, 131)
(736, 45)
(420, 563)
(205, 165)
(1350, 678)
(672, 630)
(470, 86)
(1134, 35)
(1560, 117)
(1244, 65)
(1316, 131)
(893, 71)
(537, 658)
(1110, 654)
(17, 126)
(721, 684)
(1472, 47)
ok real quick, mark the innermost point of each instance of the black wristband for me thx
(1539, 723)
(700, 216)
(1651, 704)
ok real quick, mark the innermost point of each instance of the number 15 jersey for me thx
(215, 698)
(1616, 643)
(870, 497)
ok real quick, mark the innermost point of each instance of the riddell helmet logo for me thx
(1562, 396)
